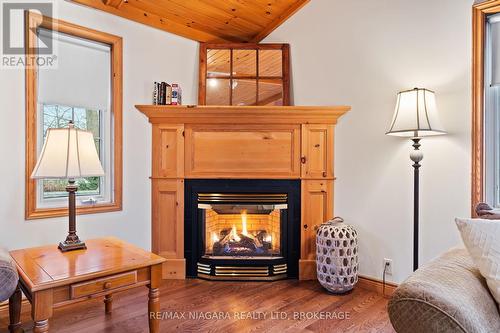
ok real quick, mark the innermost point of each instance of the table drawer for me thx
(99, 285)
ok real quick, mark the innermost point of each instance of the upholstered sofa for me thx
(8, 275)
(446, 295)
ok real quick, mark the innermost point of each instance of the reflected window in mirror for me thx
(244, 74)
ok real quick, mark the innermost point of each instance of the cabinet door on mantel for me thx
(242, 151)
(317, 207)
(317, 151)
(168, 225)
(168, 151)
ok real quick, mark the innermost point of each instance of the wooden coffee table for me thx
(50, 278)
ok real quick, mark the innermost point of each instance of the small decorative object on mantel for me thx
(166, 94)
(337, 256)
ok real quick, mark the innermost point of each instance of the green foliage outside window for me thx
(58, 116)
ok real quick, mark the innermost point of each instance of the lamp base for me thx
(70, 246)
(72, 241)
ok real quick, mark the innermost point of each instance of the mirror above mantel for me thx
(244, 74)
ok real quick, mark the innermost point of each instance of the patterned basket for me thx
(337, 256)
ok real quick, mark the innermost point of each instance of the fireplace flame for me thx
(244, 222)
(215, 238)
(234, 234)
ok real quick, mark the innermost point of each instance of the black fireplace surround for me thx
(194, 232)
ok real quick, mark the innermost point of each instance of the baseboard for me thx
(376, 285)
(174, 269)
(307, 269)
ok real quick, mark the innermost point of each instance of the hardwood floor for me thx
(231, 306)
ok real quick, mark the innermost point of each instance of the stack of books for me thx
(166, 94)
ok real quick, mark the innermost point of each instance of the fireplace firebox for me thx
(242, 229)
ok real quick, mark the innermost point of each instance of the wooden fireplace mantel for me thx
(239, 142)
(191, 114)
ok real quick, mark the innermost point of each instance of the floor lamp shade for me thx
(416, 114)
(68, 153)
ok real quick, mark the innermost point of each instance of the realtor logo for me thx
(14, 54)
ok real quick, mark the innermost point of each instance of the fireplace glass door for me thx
(242, 225)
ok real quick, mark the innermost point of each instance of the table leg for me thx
(154, 299)
(41, 310)
(15, 311)
(154, 307)
(108, 303)
(41, 326)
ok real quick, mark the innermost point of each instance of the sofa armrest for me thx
(446, 295)
(8, 275)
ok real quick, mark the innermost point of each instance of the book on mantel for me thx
(166, 94)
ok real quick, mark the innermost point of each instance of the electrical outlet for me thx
(388, 266)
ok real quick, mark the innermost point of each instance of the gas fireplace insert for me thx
(242, 229)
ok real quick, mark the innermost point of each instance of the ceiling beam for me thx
(147, 18)
(279, 20)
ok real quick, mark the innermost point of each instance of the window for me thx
(244, 74)
(84, 87)
(491, 117)
(91, 190)
(492, 111)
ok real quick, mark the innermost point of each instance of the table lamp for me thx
(68, 153)
(416, 116)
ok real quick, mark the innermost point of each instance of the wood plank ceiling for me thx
(215, 21)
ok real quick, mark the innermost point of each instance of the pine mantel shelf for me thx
(191, 114)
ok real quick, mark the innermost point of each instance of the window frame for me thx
(34, 21)
(285, 63)
(491, 125)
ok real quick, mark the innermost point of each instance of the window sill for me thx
(42, 213)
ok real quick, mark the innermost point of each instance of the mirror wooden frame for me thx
(285, 76)
(32, 22)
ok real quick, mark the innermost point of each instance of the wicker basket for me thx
(337, 256)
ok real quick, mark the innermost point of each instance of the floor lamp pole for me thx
(416, 156)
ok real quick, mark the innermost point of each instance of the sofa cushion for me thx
(8, 275)
(446, 295)
(482, 240)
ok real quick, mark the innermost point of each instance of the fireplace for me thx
(196, 148)
(242, 229)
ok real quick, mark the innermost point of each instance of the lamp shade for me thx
(68, 153)
(416, 114)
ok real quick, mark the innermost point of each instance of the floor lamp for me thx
(416, 116)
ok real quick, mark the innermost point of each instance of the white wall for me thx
(361, 53)
(148, 55)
